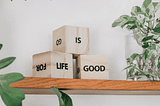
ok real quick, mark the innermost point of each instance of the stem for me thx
(153, 25)
(144, 72)
(147, 30)
(141, 29)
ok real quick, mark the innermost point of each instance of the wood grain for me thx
(69, 36)
(42, 58)
(93, 60)
(51, 59)
(33, 82)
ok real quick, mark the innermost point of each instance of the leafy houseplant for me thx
(10, 96)
(146, 32)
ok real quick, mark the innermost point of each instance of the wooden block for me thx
(70, 39)
(92, 67)
(53, 65)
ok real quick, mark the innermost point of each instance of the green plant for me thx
(64, 99)
(146, 30)
(10, 96)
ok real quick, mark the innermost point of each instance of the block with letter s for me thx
(71, 39)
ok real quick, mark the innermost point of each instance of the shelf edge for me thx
(46, 91)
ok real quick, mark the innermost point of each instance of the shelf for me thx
(35, 85)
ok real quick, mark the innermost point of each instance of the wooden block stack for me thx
(70, 42)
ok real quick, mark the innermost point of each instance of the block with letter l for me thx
(92, 67)
(71, 39)
(52, 64)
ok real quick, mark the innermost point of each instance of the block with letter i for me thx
(52, 64)
(92, 67)
(71, 39)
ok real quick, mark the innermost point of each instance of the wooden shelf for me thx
(35, 85)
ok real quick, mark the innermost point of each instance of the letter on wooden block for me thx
(70, 39)
(53, 65)
(92, 67)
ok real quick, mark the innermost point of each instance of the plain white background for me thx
(26, 29)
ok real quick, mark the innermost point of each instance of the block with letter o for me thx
(92, 67)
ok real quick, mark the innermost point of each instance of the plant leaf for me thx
(128, 22)
(146, 3)
(158, 25)
(133, 27)
(131, 21)
(147, 55)
(145, 73)
(145, 45)
(156, 6)
(120, 21)
(158, 65)
(64, 99)
(141, 71)
(1, 45)
(136, 10)
(133, 57)
(148, 9)
(147, 38)
(12, 77)
(158, 20)
(131, 70)
(156, 33)
(127, 67)
(152, 47)
(6, 61)
(139, 37)
(130, 27)
(11, 96)
(157, 29)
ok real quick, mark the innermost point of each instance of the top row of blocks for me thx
(71, 39)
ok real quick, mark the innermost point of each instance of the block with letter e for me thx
(52, 64)
(71, 39)
(92, 67)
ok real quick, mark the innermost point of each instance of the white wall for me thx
(26, 29)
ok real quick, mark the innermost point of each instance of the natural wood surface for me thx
(34, 85)
(74, 40)
(93, 67)
(35, 82)
(58, 65)
(42, 58)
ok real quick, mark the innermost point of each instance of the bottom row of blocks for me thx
(53, 64)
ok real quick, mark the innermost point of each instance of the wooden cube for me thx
(71, 39)
(92, 67)
(52, 65)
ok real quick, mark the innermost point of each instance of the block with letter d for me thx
(92, 67)
(71, 39)
(52, 64)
